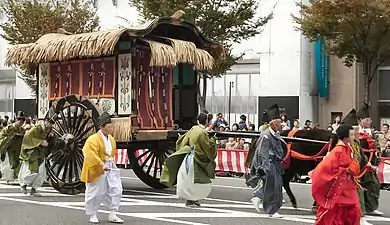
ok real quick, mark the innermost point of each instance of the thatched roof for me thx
(62, 47)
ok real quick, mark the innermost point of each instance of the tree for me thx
(223, 21)
(26, 21)
(357, 31)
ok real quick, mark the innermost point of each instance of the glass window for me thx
(384, 84)
(243, 84)
(255, 85)
(384, 109)
(386, 62)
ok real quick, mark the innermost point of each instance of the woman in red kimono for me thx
(333, 183)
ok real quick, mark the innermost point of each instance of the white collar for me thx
(272, 131)
(104, 136)
(367, 130)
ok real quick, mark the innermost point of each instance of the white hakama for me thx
(186, 188)
(6, 169)
(107, 189)
(34, 180)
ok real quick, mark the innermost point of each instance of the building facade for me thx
(283, 72)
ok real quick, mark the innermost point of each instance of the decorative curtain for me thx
(153, 88)
(92, 78)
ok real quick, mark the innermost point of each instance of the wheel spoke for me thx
(157, 159)
(69, 116)
(61, 127)
(79, 119)
(54, 154)
(151, 163)
(66, 168)
(161, 160)
(71, 164)
(85, 132)
(57, 132)
(75, 119)
(56, 160)
(63, 120)
(146, 160)
(60, 165)
(82, 126)
(142, 155)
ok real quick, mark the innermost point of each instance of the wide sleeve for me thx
(261, 158)
(33, 137)
(90, 151)
(354, 168)
(5, 134)
(208, 145)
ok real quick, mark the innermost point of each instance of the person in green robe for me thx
(33, 153)
(370, 180)
(192, 166)
(11, 138)
(352, 120)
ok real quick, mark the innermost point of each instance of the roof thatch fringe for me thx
(61, 47)
(15, 55)
(185, 51)
(203, 60)
(161, 54)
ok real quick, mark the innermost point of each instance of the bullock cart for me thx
(144, 77)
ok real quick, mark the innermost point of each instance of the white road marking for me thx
(138, 215)
(210, 210)
(42, 193)
(214, 185)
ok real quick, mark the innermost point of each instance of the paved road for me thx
(228, 204)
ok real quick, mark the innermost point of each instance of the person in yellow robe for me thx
(101, 176)
(10, 143)
(33, 152)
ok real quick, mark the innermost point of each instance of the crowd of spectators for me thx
(30, 121)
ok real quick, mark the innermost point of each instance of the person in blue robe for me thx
(266, 171)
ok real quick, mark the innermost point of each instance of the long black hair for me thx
(341, 133)
(204, 117)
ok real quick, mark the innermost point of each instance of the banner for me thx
(321, 60)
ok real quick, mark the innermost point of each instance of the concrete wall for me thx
(342, 91)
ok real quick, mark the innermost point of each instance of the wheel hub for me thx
(69, 140)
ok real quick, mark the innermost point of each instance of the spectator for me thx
(316, 126)
(222, 127)
(231, 144)
(297, 125)
(241, 144)
(336, 123)
(242, 123)
(251, 127)
(307, 125)
(285, 122)
(330, 128)
(384, 140)
(235, 127)
(220, 120)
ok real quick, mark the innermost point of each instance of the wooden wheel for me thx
(76, 120)
(147, 162)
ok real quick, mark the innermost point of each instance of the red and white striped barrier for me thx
(384, 170)
(121, 157)
(231, 160)
(228, 160)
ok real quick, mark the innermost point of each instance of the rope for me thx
(300, 156)
(366, 168)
